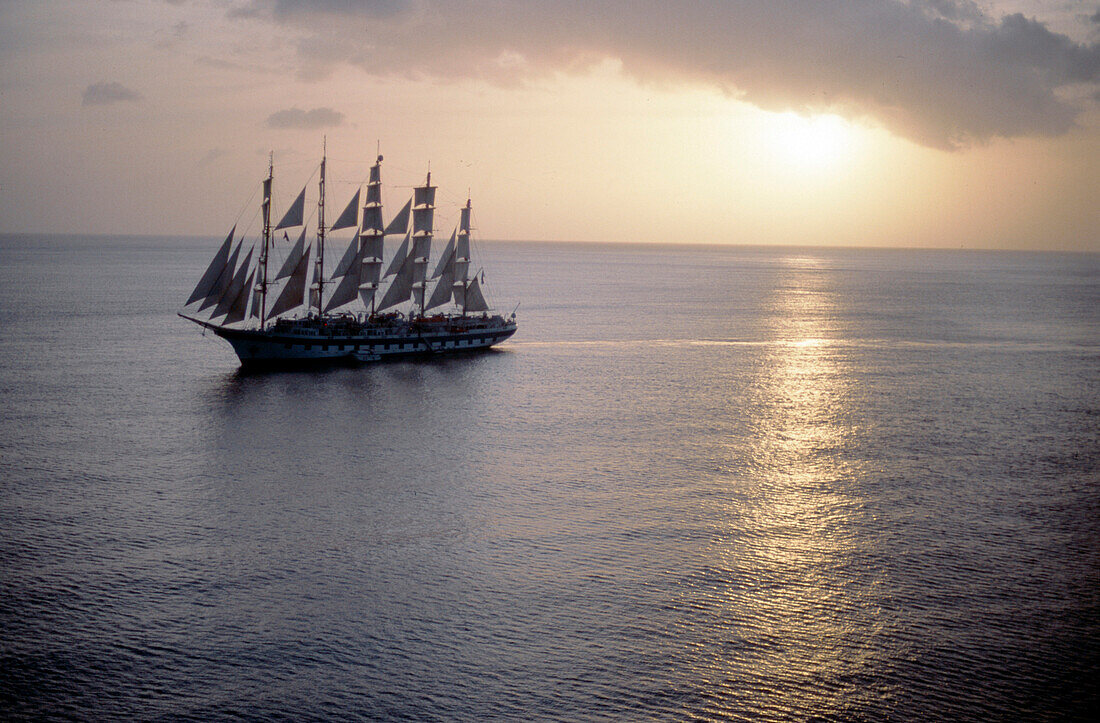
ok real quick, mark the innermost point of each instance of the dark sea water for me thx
(699, 483)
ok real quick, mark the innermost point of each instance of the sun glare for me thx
(814, 142)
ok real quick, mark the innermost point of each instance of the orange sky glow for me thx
(945, 124)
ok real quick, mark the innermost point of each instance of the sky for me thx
(912, 123)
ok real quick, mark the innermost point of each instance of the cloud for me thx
(364, 8)
(211, 156)
(953, 9)
(939, 72)
(305, 119)
(108, 93)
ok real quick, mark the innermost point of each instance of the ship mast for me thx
(372, 233)
(321, 227)
(266, 208)
(423, 220)
(462, 251)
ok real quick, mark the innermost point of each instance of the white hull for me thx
(321, 343)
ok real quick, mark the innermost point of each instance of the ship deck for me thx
(349, 341)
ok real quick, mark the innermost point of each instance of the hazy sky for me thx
(855, 122)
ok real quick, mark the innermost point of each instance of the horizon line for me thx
(655, 244)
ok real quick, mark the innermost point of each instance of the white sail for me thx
(401, 288)
(235, 288)
(398, 258)
(366, 293)
(399, 224)
(346, 260)
(461, 269)
(372, 218)
(374, 186)
(461, 263)
(464, 222)
(213, 271)
(424, 195)
(294, 293)
(444, 289)
(295, 213)
(475, 300)
(371, 271)
(294, 257)
(447, 258)
(350, 216)
(423, 219)
(371, 239)
(225, 278)
(423, 222)
(424, 207)
(462, 249)
(240, 303)
(347, 290)
(315, 284)
(363, 275)
(372, 208)
(259, 292)
(460, 294)
(422, 249)
(372, 253)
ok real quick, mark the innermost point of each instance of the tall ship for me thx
(354, 312)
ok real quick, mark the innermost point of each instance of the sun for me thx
(814, 142)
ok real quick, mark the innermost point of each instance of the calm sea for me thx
(699, 483)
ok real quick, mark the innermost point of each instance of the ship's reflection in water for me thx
(804, 602)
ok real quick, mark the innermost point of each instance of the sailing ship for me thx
(355, 313)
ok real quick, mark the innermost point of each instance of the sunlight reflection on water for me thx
(805, 520)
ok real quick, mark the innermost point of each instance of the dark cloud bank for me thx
(936, 71)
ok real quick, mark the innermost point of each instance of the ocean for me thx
(700, 483)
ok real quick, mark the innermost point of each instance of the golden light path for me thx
(812, 605)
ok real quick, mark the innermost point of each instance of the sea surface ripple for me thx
(700, 483)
